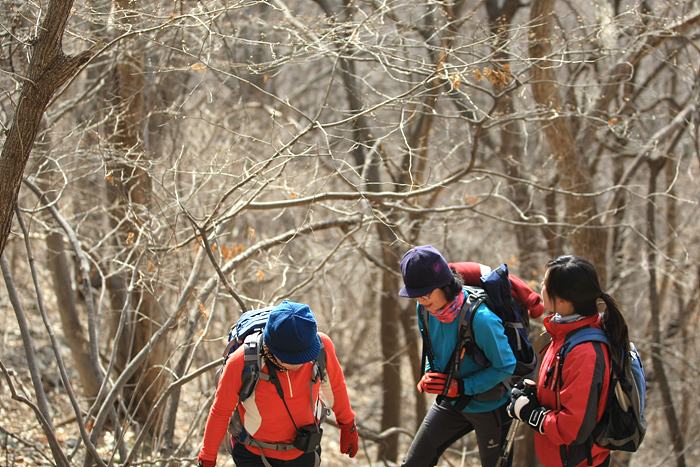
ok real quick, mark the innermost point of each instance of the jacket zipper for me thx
(557, 383)
(289, 380)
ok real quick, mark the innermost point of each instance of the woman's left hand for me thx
(527, 408)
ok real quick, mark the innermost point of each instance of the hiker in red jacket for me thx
(271, 422)
(571, 398)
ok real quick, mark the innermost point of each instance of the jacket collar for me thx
(560, 330)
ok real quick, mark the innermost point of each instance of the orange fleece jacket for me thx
(263, 414)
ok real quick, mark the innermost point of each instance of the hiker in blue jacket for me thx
(428, 278)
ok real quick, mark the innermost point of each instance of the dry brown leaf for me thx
(498, 77)
(506, 69)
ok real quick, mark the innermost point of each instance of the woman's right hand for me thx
(432, 382)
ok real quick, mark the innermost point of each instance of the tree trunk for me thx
(390, 326)
(510, 153)
(61, 273)
(41, 407)
(129, 193)
(49, 69)
(675, 435)
(73, 330)
(574, 171)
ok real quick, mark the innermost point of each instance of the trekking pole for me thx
(530, 386)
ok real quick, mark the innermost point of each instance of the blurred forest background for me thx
(166, 165)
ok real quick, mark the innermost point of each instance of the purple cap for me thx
(423, 269)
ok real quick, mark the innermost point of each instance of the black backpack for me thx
(495, 292)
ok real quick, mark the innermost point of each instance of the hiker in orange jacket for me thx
(271, 423)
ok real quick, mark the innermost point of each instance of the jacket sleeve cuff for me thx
(206, 463)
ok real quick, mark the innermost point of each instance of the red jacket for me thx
(263, 414)
(580, 401)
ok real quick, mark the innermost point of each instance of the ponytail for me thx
(615, 323)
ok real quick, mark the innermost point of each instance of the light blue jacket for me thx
(491, 339)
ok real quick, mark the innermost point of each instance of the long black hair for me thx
(575, 279)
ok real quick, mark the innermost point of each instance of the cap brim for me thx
(410, 292)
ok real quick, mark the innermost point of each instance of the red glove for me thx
(434, 383)
(349, 440)
(206, 463)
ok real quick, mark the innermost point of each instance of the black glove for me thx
(519, 390)
(526, 408)
(523, 389)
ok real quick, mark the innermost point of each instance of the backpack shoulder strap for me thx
(251, 365)
(318, 374)
(578, 336)
(467, 340)
(585, 334)
(466, 343)
(422, 319)
(319, 371)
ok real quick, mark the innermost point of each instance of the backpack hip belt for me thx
(250, 441)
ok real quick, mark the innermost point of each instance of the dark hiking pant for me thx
(444, 425)
(242, 457)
